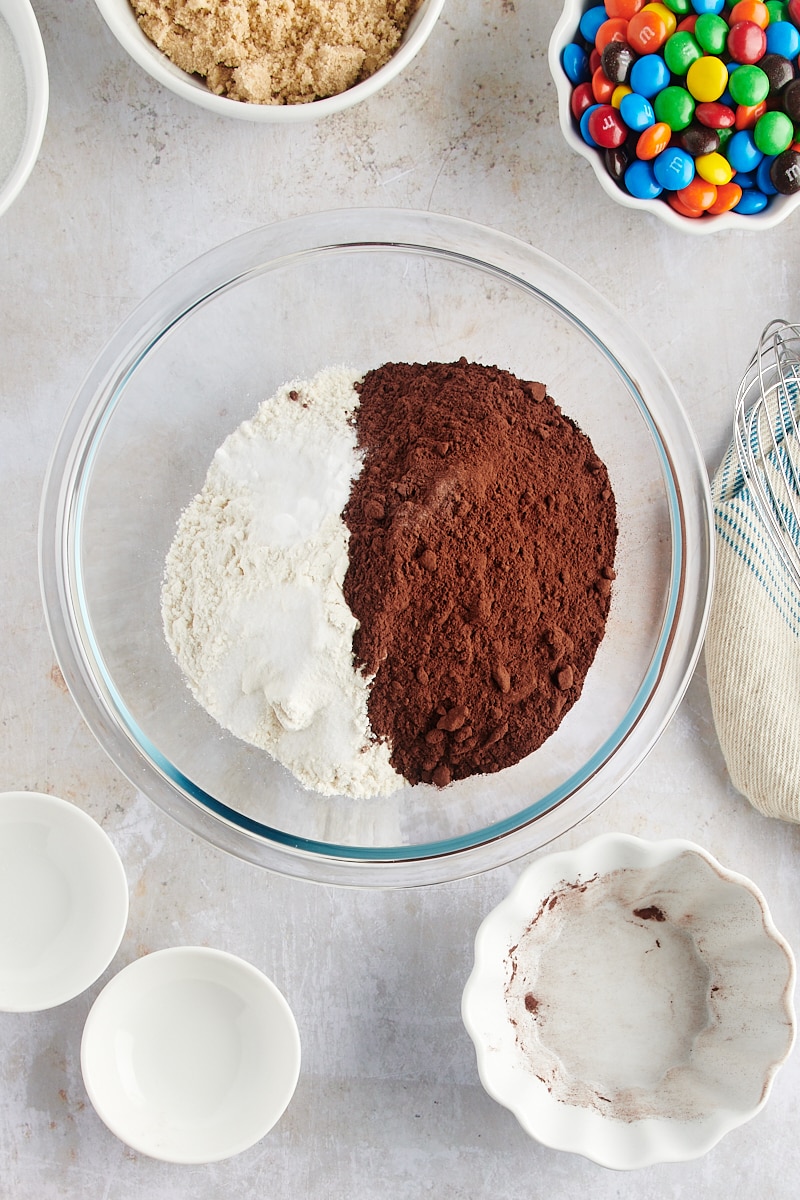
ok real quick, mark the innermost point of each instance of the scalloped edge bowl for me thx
(565, 32)
(701, 929)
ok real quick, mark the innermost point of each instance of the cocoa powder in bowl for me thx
(482, 540)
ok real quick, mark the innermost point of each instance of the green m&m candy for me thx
(773, 132)
(674, 106)
(748, 85)
(711, 32)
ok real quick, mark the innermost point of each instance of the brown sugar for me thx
(482, 541)
(277, 51)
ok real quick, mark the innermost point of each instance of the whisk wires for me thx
(766, 437)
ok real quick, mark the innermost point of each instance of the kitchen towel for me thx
(752, 651)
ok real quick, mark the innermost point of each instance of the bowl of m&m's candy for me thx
(689, 109)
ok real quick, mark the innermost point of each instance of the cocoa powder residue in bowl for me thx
(482, 540)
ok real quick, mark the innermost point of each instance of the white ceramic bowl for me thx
(631, 1001)
(190, 1055)
(16, 164)
(566, 31)
(121, 20)
(63, 901)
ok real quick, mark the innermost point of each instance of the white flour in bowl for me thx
(252, 600)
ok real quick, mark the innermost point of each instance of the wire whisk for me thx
(766, 437)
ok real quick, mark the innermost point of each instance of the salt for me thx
(13, 102)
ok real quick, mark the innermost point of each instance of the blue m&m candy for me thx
(641, 182)
(575, 62)
(637, 112)
(673, 168)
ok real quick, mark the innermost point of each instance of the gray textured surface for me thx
(131, 184)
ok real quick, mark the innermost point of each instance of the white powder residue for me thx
(13, 102)
(252, 601)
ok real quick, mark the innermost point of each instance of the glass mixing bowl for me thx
(195, 359)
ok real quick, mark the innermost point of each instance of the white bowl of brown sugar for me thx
(289, 62)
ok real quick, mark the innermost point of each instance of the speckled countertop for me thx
(131, 184)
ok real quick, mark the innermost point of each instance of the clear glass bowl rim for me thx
(531, 270)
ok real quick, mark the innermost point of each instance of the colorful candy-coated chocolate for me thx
(653, 140)
(591, 21)
(641, 182)
(790, 100)
(698, 139)
(673, 168)
(665, 12)
(785, 172)
(616, 59)
(575, 62)
(617, 160)
(714, 168)
(693, 101)
(715, 115)
(748, 114)
(602, 86)
(778, 70)
(707, 78)
(606, 126)
(615, 29)
(649, 75)
(647, 31)
(763, 178)
(728, 196)
(748, 84)
(742, 152)
(752, 201)
(674, 106)
(680, 51)
(746, 42)
(698, 194)
(637, 112)
(685, 210)
(711, 32)
(623, 8)
(784, 38)
(582, 98)
(583, 125)
(750, 10)
(773, 133)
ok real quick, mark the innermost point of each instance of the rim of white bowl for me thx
(679, 1141)
(21, 20)
(162, 965)
(121, 20)
(565, 31)
(686, 607)
(110, 885)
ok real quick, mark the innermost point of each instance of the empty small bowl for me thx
(190, 1055)
(630, 1001)
(24, 97)
(121, 20)
(566, 32)
(63, 901)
